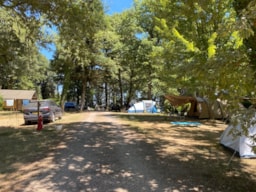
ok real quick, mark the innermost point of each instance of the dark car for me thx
(70, 106)
(49, 110)
(115, 107)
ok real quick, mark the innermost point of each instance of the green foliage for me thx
(212, 47)
(236, 39)
(154, 48)
(77, 55)
(197, 44)
(189, 45)
(21, 64)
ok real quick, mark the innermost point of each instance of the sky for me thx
(117, 6)
(111, 6)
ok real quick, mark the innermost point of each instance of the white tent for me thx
(240, 143)
(145, 106)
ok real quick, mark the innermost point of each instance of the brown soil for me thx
(190, 149)
(190, 144)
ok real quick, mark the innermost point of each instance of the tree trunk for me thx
(120, 88)
(150, 90)
(65, 88)
(130, 92)
(83, 94)
(106, 95)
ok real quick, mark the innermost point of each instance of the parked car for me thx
(49, 110)
(70, 106)
(115, 107)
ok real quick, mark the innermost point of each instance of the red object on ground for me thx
(40, 123)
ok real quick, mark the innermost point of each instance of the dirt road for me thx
(99, 155)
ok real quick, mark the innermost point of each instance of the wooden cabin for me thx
(15, 99)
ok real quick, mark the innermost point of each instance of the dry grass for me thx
(24, 151)
(197, 150)
(21, 144)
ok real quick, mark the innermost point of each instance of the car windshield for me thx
(34, 104)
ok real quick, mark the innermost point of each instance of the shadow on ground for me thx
(108, 156)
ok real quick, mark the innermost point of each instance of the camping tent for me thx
(200, 107)
(147, 106)
(240, 143)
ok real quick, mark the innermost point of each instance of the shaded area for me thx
(105, 157)
(24, 145)
(196, 150)
(106, 154)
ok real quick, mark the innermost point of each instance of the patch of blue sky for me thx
(117, 6)
(49, 49)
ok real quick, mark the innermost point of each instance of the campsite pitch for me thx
(190, 158)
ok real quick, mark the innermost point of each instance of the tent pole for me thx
(231, 158)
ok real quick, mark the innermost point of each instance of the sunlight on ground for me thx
(121, 190)
(185, 144)
(195, 145)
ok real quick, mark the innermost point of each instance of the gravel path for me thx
(99, 155)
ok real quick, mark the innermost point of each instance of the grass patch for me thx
(24, 145)
(153, 118)
(195, 150)
(21, 145)
(7, 114)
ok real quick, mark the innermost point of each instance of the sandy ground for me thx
(101, 153)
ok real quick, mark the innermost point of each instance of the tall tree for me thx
(202, 47)
(109, 44)
(246, 20)
(19, 54)
(77, 39)
(130, 63)
(150, 43)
